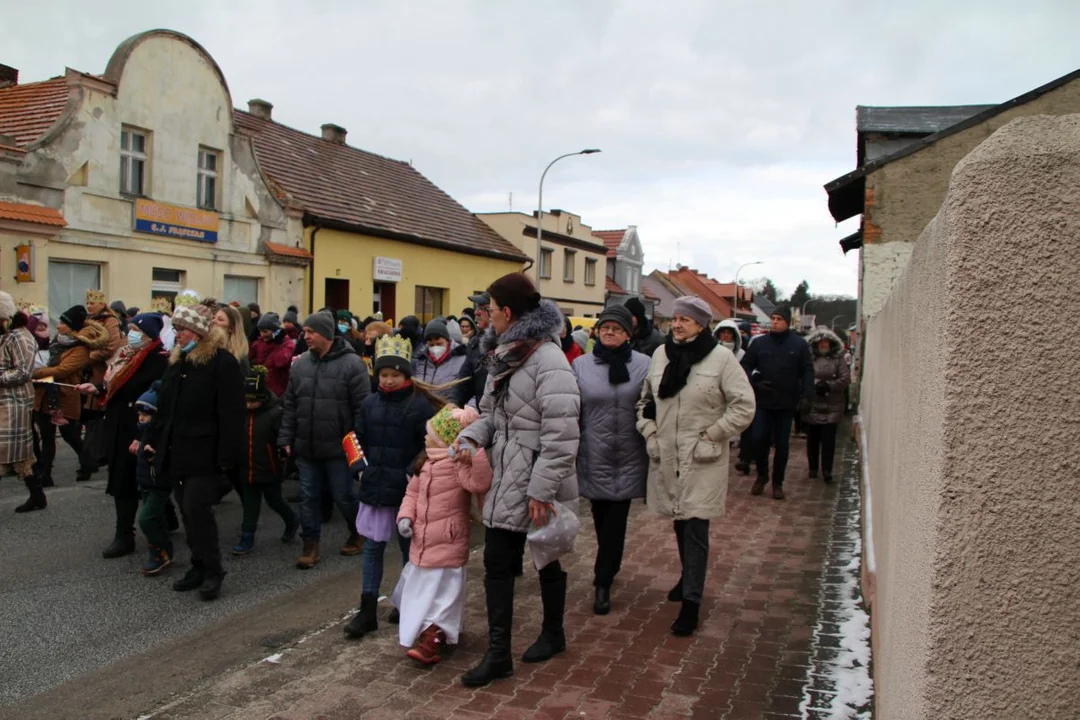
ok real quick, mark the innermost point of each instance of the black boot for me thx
(121, 545)
(602, 603)
(675, 593)
(497, 662)
(687, 622)
(37, 500)
(365, 620)
(210, 588)
(552, 640)
(192, 580)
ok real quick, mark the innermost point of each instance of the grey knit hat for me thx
(322, 323)
(695, 308)
(269, 321)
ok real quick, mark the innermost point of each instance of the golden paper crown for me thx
(161, 305)
(187, 298)
(393, 346)
(95, 296)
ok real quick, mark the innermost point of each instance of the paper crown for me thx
(449, 422)
(187, 298)
(393, 346)
(161, 305)
(95, 296)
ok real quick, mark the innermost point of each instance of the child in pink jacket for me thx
(435, 514)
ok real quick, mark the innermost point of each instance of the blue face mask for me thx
(135, 338)
(189, 347)
(343, 328)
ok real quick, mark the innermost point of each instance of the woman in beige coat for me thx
(695, 399)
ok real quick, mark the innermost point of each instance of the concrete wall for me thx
(972, 454)
(904, 195)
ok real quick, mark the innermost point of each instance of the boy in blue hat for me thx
(155, 490)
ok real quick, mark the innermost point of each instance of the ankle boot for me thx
(365, 620)
(687, 622)
(428, 647)
(602, 602)
(675, 593)
(37, 500)
(497, 662)
(192, 580)
(121, 545)
(211, 585)
(552, 640)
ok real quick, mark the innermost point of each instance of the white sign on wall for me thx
(387, 270)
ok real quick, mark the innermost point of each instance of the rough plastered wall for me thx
(972, 432)
(903, 196)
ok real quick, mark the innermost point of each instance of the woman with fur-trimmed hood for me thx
(831, 378)
(197, 435)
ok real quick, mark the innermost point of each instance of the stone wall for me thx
(971, 419)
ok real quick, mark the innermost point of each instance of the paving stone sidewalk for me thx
(750, 659)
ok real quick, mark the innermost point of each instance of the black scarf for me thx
(616, 359)
(682, 357)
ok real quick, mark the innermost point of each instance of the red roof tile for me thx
(649, 294)
(373, 194)
(288, 251)
(31, 214)
(28, 111)
(613, 287)
(612, 239)
(704, 287)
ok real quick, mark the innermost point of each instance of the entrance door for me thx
(337, 294)
(384, 300)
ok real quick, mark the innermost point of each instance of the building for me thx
(137, 182)
(906, 157)
(384, 237)
(664, 298)
(573, 261)
(625, 259)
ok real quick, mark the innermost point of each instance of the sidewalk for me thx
(750, 659)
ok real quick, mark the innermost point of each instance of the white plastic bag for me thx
(549, 543)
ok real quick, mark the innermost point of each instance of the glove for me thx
(404, 528)
(821, 387)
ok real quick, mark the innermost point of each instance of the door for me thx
(384, 300)
(337, 294)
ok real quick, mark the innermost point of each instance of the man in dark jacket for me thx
(197, 435)
(327, 386)
(646, 338)
(781, 370)
(477, 365)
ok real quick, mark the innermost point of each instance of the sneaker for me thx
(157, 560)
(246, 544)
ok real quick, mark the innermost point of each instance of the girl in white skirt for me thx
(435, 514)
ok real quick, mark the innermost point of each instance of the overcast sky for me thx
(719, 120)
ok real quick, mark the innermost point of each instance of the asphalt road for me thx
(84, 637)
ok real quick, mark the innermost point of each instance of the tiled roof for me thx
(28, 111)
(649, 294)
(31, 214)
(288, 251)
(613, 287)
(357, 190)
(612, 239)
(704, 287)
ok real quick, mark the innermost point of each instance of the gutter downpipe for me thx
(311, 276)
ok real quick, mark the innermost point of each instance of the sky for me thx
(719, 121)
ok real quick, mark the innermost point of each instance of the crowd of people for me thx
(403, 428)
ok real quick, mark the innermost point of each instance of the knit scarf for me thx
(117, 374)
(681, 357)
(616, 359)
(509, 357)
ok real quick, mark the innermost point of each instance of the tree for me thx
(801, 295)
(764, 286)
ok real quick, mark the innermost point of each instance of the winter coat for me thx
(573, 353)
(647, 339)
(780, 369)
(73, 369)
(259, 463)
(276, 356)
(455, 364)
(100, 357)
(531, 428)
(730, 324)
(145, 477)
(119, 426)
(17, 351)
(437, 502)
(611, 462)
(199, 426)
(392, 429)
(322, 402)
(831, 369)
(688, 442)
(478, 367)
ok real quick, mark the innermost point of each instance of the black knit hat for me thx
(783, 311)
(618, 314)
(74, 317)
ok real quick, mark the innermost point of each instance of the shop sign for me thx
(24, 263)
(176, 222)
(387, 270)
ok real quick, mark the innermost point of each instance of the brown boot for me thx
(309, 558)
(777, 492)
(354, 546)
(428, 646)
(759, 487)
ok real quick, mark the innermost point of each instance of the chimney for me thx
(260, 109)
(334, 133)
(8, 76)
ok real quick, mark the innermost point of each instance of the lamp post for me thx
(540, 213)
(802, 313)
(833, 323)
(735, 305)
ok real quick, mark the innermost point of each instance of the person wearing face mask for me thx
(129, 375)
(443, 361)
(196, 437)
(274, 351)
(345, 329)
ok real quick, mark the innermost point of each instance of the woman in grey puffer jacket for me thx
(831, 378)
(612, 464)
(529, 426)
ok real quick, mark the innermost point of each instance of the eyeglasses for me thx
(612, 329)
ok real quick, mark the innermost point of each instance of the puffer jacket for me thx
(611, 462)
(730, 324)
(453, 365)
(831, 368)
(322, 402)
(392, 429)
(688, 442)
(780, 369)
(437, 502)
(73, 369)
(531, 428)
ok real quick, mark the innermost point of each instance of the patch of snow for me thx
(275, 658)
(868, 516)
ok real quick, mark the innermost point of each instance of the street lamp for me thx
(735, 305)
(833, 323)
(540, 213)
(802, 313)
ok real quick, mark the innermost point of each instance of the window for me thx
(207, 180)
(243, 290)
(590, 271)
(132, 162)
(545, 263)
(166, 283)
(429, 303)
(569, 260)
(68, 283)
